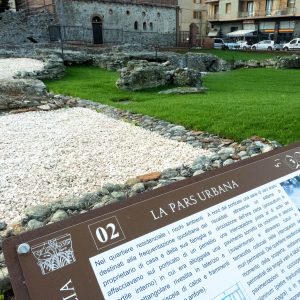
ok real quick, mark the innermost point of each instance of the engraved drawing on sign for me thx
(54, 254)
(233, 293)
(292, 161)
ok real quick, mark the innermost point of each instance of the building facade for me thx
(153, 22)
(269, 19)
(193, 12)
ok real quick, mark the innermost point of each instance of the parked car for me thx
(292, 45)
(266, 45)
(244, 45)
(225, 44)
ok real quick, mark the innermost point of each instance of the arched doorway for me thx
(97, 30)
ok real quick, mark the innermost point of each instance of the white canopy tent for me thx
(240, 33)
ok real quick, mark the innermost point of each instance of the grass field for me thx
(237, 105)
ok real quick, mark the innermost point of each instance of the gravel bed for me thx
(46, 156)
(11, 66)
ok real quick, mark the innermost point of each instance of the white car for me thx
(225, 44)
(266, 45)
(292, 45)
(244, 45)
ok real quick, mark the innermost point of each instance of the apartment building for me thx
(275, 19)
(193, 12)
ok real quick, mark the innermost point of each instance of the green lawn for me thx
(238, 104)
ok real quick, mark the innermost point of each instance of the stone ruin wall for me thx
(19, 28)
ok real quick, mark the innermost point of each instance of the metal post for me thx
(61, 44)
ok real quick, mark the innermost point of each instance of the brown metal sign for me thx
(231, 232)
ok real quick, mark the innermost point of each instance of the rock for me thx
(266, 148)
(91, 198)
(58, 216)
(34, 224)
(228, 162)
(198, 172)
(149, 177)
(113, 187)
(242, 153)
(169, 173)
(183, 90)
(3, 226)
(177, 128)
(73, 204)
(45, 107)
(226, 153)
(103, 191)
(186, 172)
(4, 280)
(98, 205)
(289, 62)
(141, 74)
(187, 77)
(216, 164)
(118, 195)
(132, 181)
(150, 184)
(107, 199)
(138, 188)
(178, 178)
(38, 212)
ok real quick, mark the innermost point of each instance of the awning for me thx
(213, 33)
(240, 33)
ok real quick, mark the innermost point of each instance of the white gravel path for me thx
(45, 156)
(10, 66)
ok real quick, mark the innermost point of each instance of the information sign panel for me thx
(233, 233)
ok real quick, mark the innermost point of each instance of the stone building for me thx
(110, 21)
(274, 19)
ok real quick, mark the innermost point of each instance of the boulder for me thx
(289, 62)
(141, 74)
(21, 93)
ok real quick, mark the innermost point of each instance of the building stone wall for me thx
(155, 24)
(18, 28)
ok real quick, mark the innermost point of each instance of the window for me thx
(96, 19)
(144, 14)
(110, 11)
(151, 26)
(136, 25)
(269, 5)
(291, 3)
(144, 26)
(250, 8)
(228, 8)
(127, 12)
(216, 10)
(197, 14)
(158, 14)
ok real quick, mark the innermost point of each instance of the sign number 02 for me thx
(108, 233)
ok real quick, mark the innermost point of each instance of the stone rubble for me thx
(141, 74)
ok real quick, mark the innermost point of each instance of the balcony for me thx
(211, 1)
(271, 13)
(213, 17)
